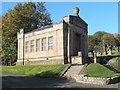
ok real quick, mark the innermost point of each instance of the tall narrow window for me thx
(44, 44)
(50, 43)
(27, 46)
(31, 45)
(37, 45)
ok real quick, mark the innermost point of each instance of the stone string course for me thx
(91, 80)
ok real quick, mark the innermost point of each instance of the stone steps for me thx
(73, 70)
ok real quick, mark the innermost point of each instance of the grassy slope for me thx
(97, 70)
(40, 70)
(116, 64)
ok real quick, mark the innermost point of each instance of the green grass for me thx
(41, 70)
(98, 70)
(115, 52)
(115, 62)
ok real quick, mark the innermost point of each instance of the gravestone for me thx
(80, 54)
(109, 52)
(95, 57)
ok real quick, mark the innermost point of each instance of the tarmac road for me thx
(21, 81)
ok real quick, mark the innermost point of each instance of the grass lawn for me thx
(41, 70)
(98, 70)
(115, 52)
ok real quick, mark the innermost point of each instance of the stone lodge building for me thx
(59, 43)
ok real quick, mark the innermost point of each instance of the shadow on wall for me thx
(114, 80)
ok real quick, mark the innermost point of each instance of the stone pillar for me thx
(20, 37)
(85, 41)
(69, 55)
(80, 56)
(85, 47)
(18, 49)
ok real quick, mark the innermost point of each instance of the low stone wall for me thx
(91, 80)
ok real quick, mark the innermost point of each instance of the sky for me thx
(100, 16)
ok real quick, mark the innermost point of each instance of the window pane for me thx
(43, 44)
(50, 43)
(27, 46)
(37, 45)
(31, 45)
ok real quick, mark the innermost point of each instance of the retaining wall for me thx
(91, 80)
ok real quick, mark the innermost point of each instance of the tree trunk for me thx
(92, 54)
(111, 47)
(118, 49)
(106, 49)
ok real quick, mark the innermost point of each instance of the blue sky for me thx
(100, 16)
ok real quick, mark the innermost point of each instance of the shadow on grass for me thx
(47, 74)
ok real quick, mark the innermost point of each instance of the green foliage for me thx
(41, 70)
(28, 16)
(103, 42)
(109, 39)
(99, 34)
(98, 48)
(117, 39)
(93, 42)
(98, 70)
